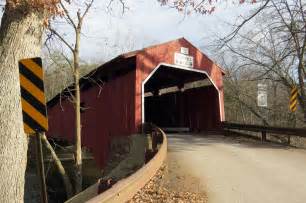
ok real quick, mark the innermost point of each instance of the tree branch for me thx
(68, 15)
(234, 33)
(61, 38)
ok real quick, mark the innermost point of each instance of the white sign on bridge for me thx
(183, 60)
(262, 97)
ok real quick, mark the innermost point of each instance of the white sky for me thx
(107, 34)
(146, 22)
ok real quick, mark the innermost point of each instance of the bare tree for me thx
(76, 23)
(274, 49)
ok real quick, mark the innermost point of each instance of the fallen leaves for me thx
(156, 192)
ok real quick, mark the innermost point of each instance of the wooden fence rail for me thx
(299, 132)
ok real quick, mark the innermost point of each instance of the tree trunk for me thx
(242, 112)
(59, 166)
(20, 37)
(78, 144)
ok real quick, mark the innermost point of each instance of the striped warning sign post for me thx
(293, 99)
(32, 96)
(34, 111)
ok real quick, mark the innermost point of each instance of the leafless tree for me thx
(274, 48)
(76, 23)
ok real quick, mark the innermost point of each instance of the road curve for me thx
(233, 171)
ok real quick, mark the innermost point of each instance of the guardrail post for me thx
(226, 132)
(263, 136)
(154, 140)
(288, 139)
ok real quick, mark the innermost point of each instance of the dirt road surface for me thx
(234, 170)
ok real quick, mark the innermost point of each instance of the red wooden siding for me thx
(110, 113)
(197, 109)
(202, 108)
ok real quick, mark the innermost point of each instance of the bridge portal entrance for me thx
(181, 98)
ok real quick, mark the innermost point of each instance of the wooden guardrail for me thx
(126, 188)
(299, 132)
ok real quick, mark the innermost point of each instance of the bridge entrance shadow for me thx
(181, 98)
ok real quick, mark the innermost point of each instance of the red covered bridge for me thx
(172, 85)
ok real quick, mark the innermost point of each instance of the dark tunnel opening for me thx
(181, 99)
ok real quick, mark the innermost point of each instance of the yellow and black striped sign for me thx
(32, 95)
(293, 99)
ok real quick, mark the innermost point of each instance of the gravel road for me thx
(236, 170)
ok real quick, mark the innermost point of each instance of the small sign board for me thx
(293, 99)
(33, 96)
(183, 60)
(184, 50)
(262, 96)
